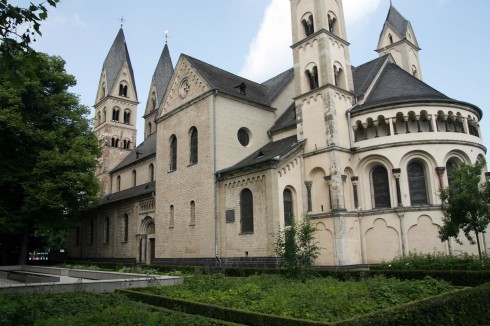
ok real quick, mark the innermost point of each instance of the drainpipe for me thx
(215, 182)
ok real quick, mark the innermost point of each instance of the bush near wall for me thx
(114, 266)
(468, 306)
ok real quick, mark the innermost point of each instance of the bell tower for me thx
(324, 93)
(115, 110)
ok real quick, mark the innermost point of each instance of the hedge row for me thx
(160, 268)
(468, 306)
(456, 278)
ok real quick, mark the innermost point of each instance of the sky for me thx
(252, 38)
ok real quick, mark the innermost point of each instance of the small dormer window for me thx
(242, 89)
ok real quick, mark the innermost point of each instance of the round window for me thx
(243, 137)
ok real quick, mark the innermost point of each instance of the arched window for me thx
(192, 207)
(312, 76)
(247, 211)
(125, 226)
(287, 196)
(105, 115)
(173, 153)
(126, 144)
(118, 183)
(121, 89)
(308, 25)
(332, 23)
(125, 91)
(149, 128)
(171, 216)
(107, 230)
(134, 178)
(390, 37)
(338, 76)
(153, 104)
(450, 165)
(417, 184)
(151, 172)
(127, 117)
(193, 146)
(380, 187)
(116, 143)
(115, 114)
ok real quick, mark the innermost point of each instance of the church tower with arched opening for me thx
(115, 111)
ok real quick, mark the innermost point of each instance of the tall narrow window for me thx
(390, 37)
(121, 89)
(192, 213)
(171, 216)
(125, 91)
(417, 184)
(288, 207)
(450, 165)
(134, 178)
(173, 153)
(127, 117)
(125, 225)
(332, 23)
(151, 172)
(118, 183)
(107, 230)
(308, 25)
(312, 76)
(99, 118)
(115, 114)
(247, 211)
(193, 146)
(380, 187)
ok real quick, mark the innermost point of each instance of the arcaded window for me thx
(125, 226)
(107, 225)
(308, 25)
(332, 24)
(380, 187)
(192, 208)
(173, 153)
(126, 144)
(123, 90)
(338, 75)
(312, 76)
(151, 172)
(134, 177)
(247, 211)
(417, 184)
(127, 117)
(287, 196)
(193, 146)
(115, 114)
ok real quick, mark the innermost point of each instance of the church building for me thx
(226, 162)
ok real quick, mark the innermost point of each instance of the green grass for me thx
(86, 309)
(321, 299)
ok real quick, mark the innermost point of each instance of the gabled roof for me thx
(272, 152)
(113, 63)
(163, 73)
(144, 151)
(286, 121)
(140, 190)
(228, 83)
(397, 22)
(364, 74)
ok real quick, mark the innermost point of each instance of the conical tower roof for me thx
(397, 22)
(163, 73)
(114, 62)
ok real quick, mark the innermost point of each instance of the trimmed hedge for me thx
(160, 268)
(468, 306)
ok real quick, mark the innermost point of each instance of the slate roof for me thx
(163, 73)
(397, 22)
(364, 74)
(229, 83)
(117, 56)
(144, 150)
(286, 121)
(273, 151)
(140, 190)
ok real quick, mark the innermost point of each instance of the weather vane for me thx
(122, 22)
(166, 36)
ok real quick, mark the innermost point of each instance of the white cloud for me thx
(269, 53)
(57, 19)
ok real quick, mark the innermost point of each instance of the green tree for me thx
(48, 151)
(296, 247)
(19, 26)
(466, 204)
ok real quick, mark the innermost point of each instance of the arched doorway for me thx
(146, 241)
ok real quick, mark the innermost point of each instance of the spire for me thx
(397, 22)
(114, 62)
(163, 73)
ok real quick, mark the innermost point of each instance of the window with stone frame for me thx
(192, 207)
(193, 146)
(173, 153)
(417, 184)
(450, 165)
(287, 197)
(151, 172)
(380, 187)
(171, 222)
(134, 177)
(246, 211)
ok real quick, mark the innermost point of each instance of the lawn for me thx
(87, 309)
(320, 299)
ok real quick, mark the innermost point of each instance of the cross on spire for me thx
(166, 36)
(122, 22)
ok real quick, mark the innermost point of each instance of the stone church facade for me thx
(360, 151)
